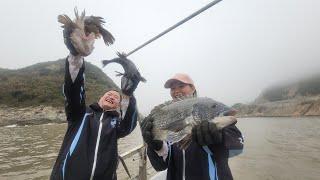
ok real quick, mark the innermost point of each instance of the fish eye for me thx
(214, 106)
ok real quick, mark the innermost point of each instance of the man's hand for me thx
(129, 85)
(206, 133)
(146, 128)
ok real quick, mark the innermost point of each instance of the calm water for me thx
(275, 148)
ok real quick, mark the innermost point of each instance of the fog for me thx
(232, 51)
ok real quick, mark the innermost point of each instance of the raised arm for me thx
(129, 122)
(73, 88)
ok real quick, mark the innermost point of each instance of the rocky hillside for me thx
(33, 95)
(301, 98)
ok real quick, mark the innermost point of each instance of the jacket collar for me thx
(95, 107)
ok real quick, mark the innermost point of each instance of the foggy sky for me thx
(232, 51)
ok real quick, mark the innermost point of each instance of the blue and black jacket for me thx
(89, 149)
(200, 162)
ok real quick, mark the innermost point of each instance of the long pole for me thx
(176, 25)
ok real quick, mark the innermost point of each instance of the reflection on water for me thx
(275, 148)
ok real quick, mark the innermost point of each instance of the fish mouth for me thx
(87, 36)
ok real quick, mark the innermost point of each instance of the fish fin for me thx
(95, 20)
(105, 62)
(83, 14)
(106, 35)
(76, 13)
(142, 79)
(119, 73)
(66, 21)
(122, 55)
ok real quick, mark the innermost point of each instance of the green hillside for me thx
(41, 84)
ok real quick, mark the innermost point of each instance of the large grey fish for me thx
(130, 69)
(173, 120)
(85, 29)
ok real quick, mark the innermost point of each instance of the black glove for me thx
(206, 133)
(67, 41)
(146, 128)
(129, 84)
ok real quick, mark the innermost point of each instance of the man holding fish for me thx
(191, 137)
(89, 149)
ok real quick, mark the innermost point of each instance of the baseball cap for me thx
(184, 78)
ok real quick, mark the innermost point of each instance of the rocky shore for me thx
(299, 106)
(31, 115)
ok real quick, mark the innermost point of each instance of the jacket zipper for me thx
(97, 147)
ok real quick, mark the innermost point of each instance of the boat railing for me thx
(141, 150)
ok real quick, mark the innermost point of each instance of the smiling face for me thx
(110, 100)
(179, 90)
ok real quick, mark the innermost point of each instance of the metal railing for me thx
(141, 150)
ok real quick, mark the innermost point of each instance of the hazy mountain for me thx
(305, 87)
(300, 98)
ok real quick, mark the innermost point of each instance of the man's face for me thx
(110, 100)
(179, 90)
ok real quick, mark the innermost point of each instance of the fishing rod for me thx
(174, 26)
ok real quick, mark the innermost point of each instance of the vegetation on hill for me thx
(41, 84)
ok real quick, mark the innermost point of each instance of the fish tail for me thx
(83, 14)
(106, 62)
(121, 55)
(142, 79)
(119, 73)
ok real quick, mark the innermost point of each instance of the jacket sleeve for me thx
(74, 93)
(157, 162)
(233, 140)
(129, 122)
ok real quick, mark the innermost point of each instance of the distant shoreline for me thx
(296, 107)
(37, 115)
